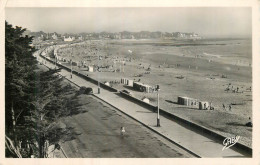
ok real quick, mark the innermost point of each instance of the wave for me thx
(213, 55)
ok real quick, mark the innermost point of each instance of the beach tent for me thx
(146, 100)
(107, 84)
(203, 105)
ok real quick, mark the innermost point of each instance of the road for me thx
(99, 130)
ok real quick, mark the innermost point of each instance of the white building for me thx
(54, 36)
(68, 39)
(80, 38)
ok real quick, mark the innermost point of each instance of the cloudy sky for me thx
(206, 21)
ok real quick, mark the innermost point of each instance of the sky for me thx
(206, 21)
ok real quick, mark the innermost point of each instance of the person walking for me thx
(122, 131)
(205, 106)
(230, 107)
(224, 108)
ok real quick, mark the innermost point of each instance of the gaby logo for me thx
(230, 141)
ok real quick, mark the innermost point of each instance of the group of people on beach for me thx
(237, 89)
(229, 107)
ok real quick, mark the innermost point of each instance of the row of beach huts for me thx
(203, 105)
(138, 85)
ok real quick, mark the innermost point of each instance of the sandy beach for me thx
(201, 69)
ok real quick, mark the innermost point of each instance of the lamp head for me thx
(157, 87)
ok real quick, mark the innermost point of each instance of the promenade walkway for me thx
(195, 142)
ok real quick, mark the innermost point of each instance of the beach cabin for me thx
(124, 81)
(130, 83)
(90, 68)
(127, 82)
(148, 88)
(138, 86)
(187, 101)
(142, 87)
(204, 105)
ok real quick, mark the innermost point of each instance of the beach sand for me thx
(202, 64)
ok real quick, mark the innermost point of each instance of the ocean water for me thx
(228, 51)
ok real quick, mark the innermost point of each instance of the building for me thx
(54, 36)
(69, 39)
(80, 38)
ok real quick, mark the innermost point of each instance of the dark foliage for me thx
(35, 101)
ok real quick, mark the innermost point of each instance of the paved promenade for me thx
(192, 141)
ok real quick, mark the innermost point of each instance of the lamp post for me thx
(71, 63)
(55, 55)
(55, 61)
(98, 73)
(158, 109)
(45, 57)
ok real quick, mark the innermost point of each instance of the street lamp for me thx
(55, 55)
(55, 61)
(98, 73)
(158, 109)
(44, 56)
(71, 63)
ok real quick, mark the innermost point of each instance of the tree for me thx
(35, 101)
(19, 64)
(50, 103)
